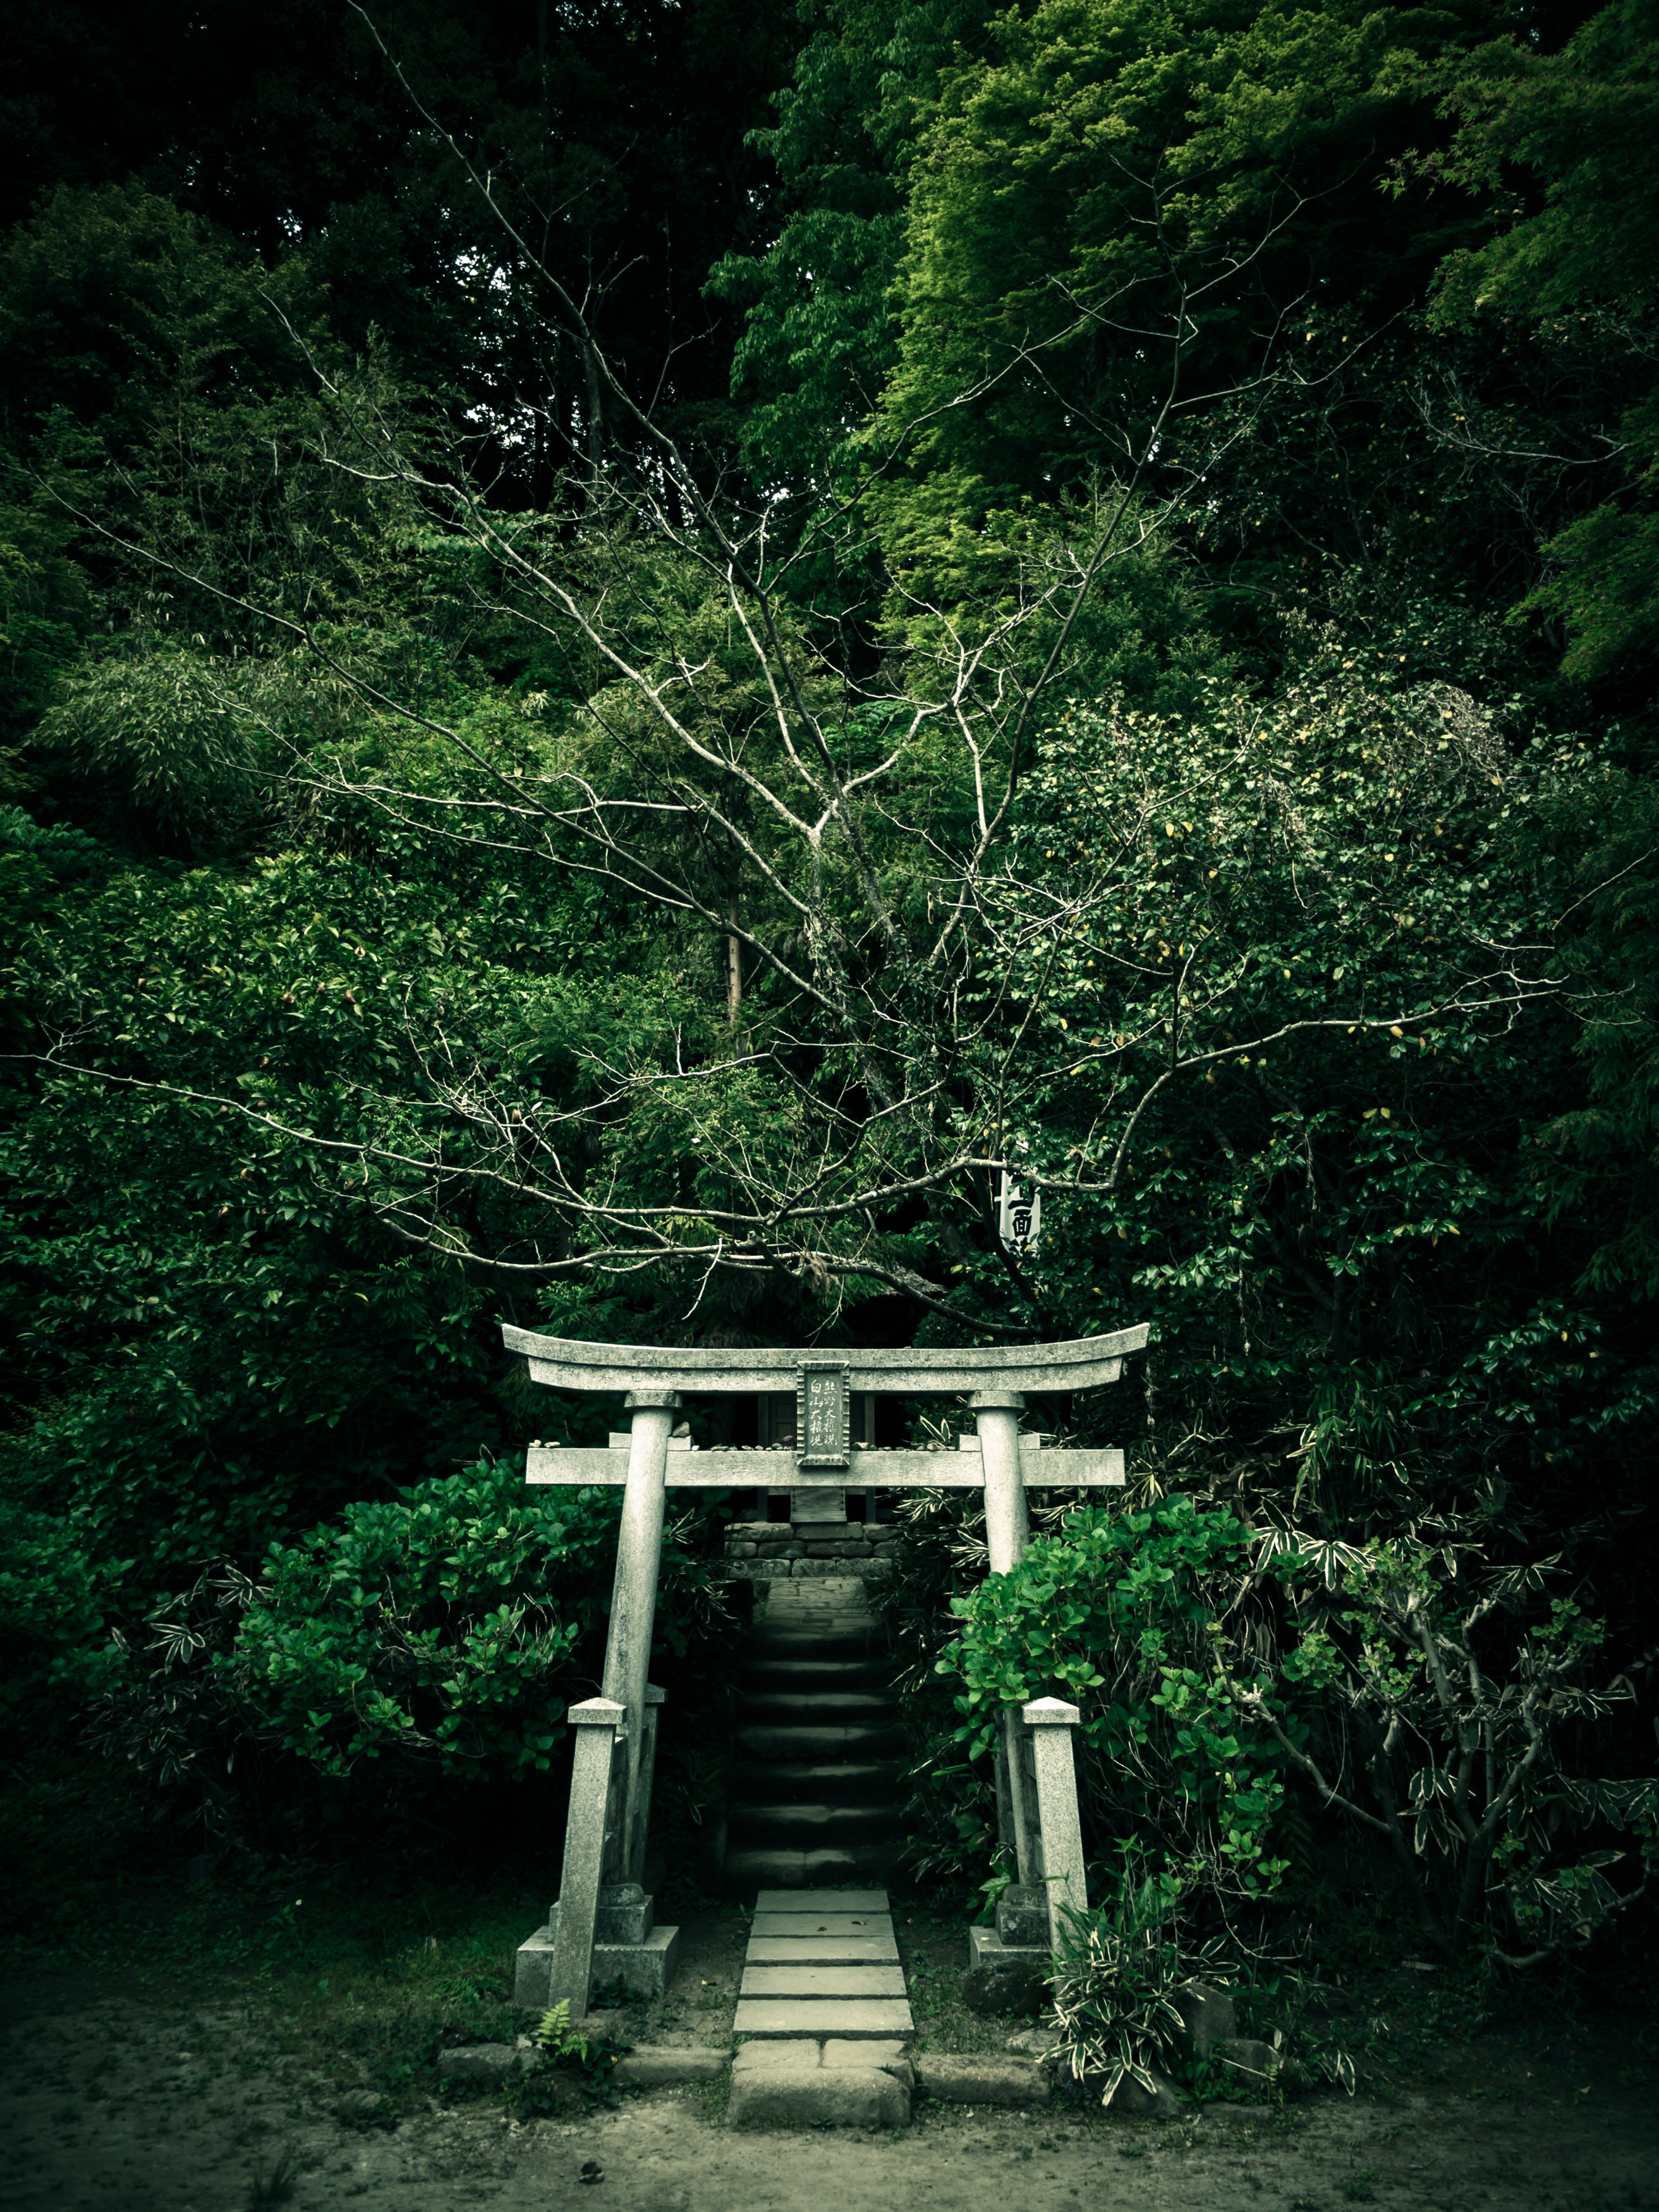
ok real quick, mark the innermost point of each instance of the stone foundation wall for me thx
(771, 1551)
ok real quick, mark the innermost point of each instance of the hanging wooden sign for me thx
(1019, 1214)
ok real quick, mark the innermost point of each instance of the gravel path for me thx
(108, 2107)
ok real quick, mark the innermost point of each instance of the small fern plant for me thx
(554, 2033)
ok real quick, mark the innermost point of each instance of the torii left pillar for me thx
(603, 1926)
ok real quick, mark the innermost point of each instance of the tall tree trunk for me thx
(734, 970)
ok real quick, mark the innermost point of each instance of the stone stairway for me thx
(823, 1963)
(815, 1794)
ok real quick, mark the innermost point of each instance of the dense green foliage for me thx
(1174, 1777)
(446, 1621)
(1218, 1673)
(635, 654)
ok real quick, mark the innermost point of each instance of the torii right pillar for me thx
(1007, 1963)
(1007, 1532)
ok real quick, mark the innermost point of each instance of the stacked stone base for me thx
(1009, 1965)
(775, 1551)
(629, 1948)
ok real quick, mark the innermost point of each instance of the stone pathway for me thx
(823, 1963)
(815, 1798)
(822, 2005)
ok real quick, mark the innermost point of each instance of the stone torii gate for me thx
(602, 1906)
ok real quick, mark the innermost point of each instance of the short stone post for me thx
(1051, 1721)
(599, 1723)
(634, 1596)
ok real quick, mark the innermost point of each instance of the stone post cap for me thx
(653, 1696)
(653, 1402)
(997, 1401)
(1050, 1712)
(597, 1713)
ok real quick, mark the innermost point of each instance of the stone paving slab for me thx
(663, 2066)
(824, 2016)
(983, 2081)
(824, 1980)
(821, 1900)
(805, 2083)
(767, 2057)
(893, 2055)
(819, 1923)
(823, 1950)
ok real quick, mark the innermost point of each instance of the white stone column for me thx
(1008, 1524)
(599, 1722)
(633, 1593)
(1051, 1721)
(1007, 1532)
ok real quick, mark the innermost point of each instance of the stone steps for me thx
(755, 1867)
(815, 1799)
(840, 1638)
(861, 1738)
(830, 1646)
(827, 1823)
(819, 1991)
(822, 1703)
(806, 1673)
(815, 1792)
(818, 1781)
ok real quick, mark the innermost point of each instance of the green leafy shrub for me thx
(1443, 1705)
(164, 729)
(1121, 1613)
(56, 1587)
(451, 1624)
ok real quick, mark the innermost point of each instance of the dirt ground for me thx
(114, 2101)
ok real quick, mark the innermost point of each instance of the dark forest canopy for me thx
(642, 643)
